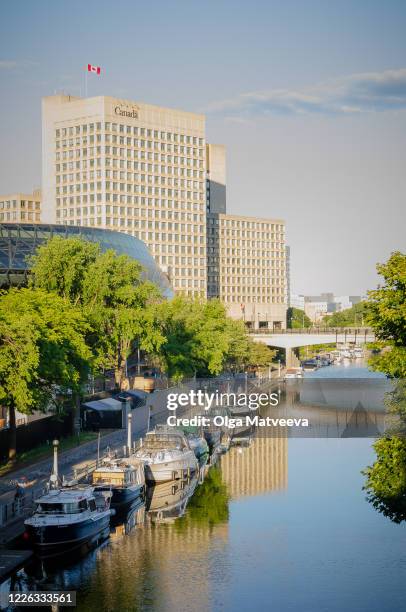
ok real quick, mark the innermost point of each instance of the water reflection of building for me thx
(166, 564)
(258, 469)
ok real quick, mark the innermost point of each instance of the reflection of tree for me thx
(209, 504)
(395, 402)
(386, 478)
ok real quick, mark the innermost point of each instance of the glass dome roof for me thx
(19, 240)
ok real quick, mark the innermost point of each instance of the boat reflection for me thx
(124, 522)
(167, 501)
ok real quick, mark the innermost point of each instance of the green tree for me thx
(196, 337)
(386, 312)
(350, 317)
(118, 304)
(259, 355)
(61, 266)
(386, 478)
(42, 349)
(115, 299)
(200, 338)
(297, 318)
(239, 345)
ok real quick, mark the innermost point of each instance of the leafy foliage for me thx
(116, 301)
(61, 266)
(259, 354)
(41, 346)
(386, 312)
(196, 338)
(297, 318)
(200, 338)
(386, 478)
(350, 317)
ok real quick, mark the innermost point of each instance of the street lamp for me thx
(54, 476)
(129, 432)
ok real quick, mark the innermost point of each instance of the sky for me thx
(308, 96)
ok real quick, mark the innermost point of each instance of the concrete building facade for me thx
(21, 207)
(216, 178)
(288, 277)
(148, 171)
(246, 268)
(132, 167)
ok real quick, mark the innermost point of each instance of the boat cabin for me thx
(117, 475)
(66, 502)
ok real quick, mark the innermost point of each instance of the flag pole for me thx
(86, 71)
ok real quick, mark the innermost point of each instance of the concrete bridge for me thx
(291, 339)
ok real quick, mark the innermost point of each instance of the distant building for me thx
(287, 286)
(132, 167)
(318, 306)
(21, 207)
(297, 301)
(246, 268)
(315, 311)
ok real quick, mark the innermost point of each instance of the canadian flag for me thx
(95, 69)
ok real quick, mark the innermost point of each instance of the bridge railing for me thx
(341, 331)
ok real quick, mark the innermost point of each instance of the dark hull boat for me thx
(49, 540)
(66, 519)
(125, 496)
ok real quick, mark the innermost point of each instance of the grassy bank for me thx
(45, 450)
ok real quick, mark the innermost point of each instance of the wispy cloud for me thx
(356, 93)
(14, 64)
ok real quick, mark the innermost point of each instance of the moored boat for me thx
(125, 480)
(166, 455)
(65, 518)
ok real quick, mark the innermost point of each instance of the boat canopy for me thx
(107, 404)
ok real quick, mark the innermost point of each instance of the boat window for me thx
(82, 505)
(92, 504)
(51, 508)
(108, 478)
(58, 508)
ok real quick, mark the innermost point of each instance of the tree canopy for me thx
(42, 348)
(200, 338)
(114, 297)
(350, 317)
(297, 318)
(386, 478)
(386, 312)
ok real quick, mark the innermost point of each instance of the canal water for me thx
(282, 524)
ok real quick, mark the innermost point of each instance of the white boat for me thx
(166, 455)
(66, 518)
(125, 480)
(293, 373)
